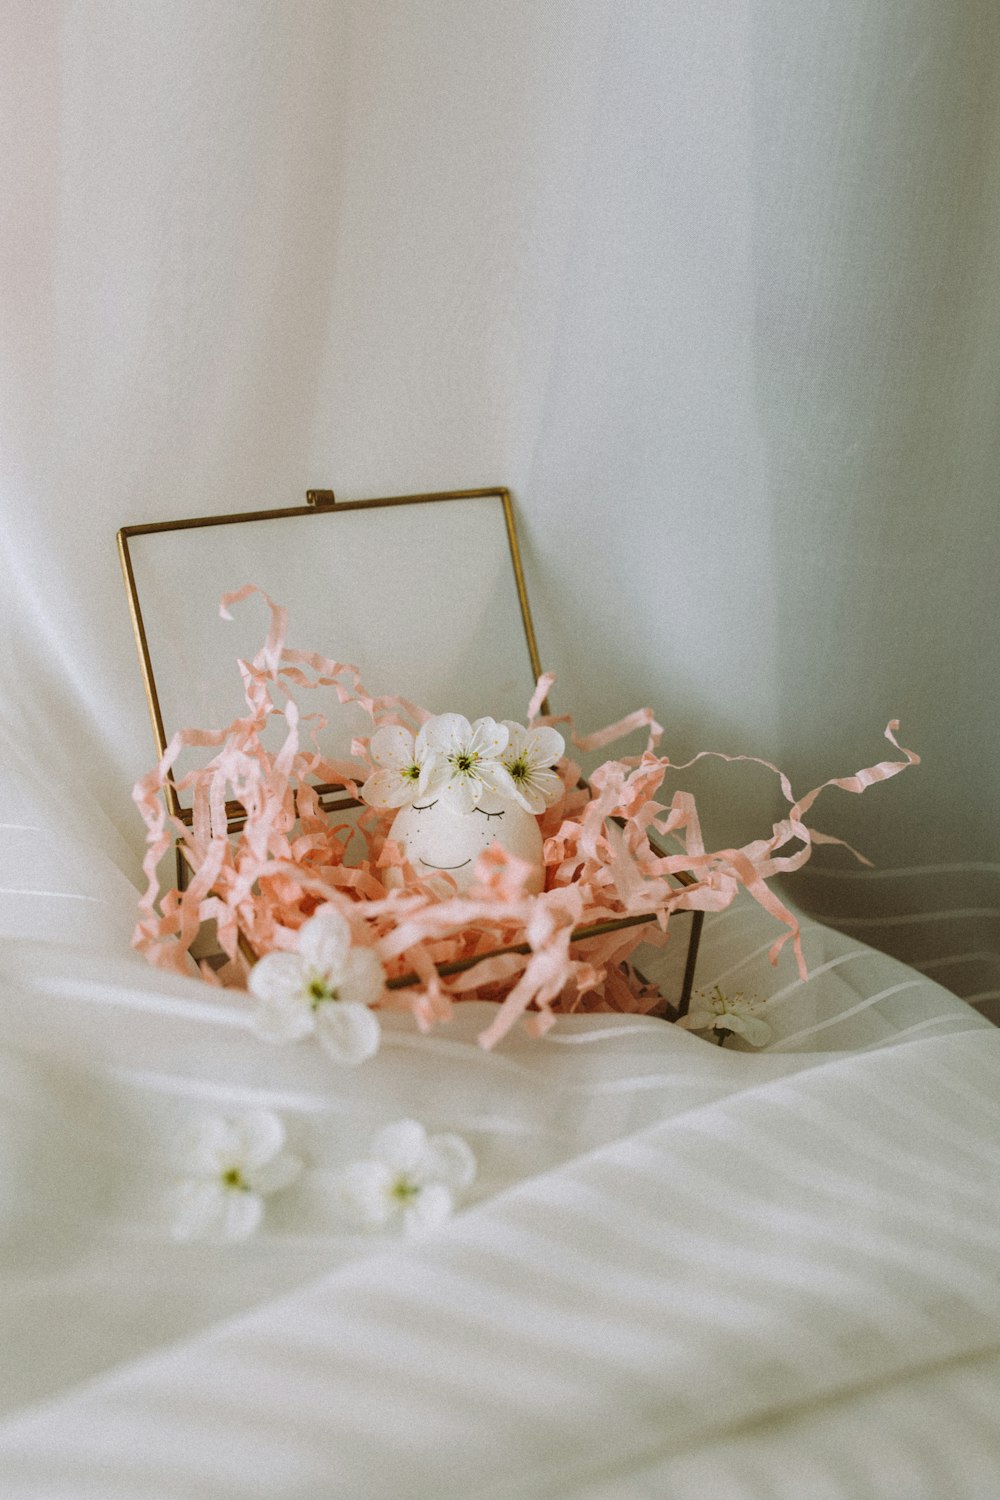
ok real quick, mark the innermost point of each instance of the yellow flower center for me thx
(318, 991)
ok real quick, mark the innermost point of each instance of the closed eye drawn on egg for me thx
(425, 806)
(484, 812)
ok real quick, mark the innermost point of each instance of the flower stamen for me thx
(319, 991)
(519, 768)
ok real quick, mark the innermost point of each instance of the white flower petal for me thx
(362, 978)
(545, 746)
(277, 975)
(324, 941)
(260, 1135)
(428, 767)
(387, 789)
(349, 1033)
(199, 1210)
(756, 1032)
(206, 1146)
(436, 775)
(283, 1018)
(517, 739)
(446, 733)
(431, 1206)
(449, 1160)
(701, 1016)
(489, 739)
(242, 1214)
(461, 793)
(280, 1172)
(529, 800)
(402, 1146)
(548, 784)
(497, 779)
(363, 1192)
(392, 747)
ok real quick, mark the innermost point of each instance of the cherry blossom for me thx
(466, 760)
(529, 758)
(324, 988)
(409, 1177)
(231, 1166)
(401, 770)
(717, 1011)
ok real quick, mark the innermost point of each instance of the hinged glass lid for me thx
(424, 594)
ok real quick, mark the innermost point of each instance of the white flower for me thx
(231, 1166)
(409, 1176)
(529, 757)
(718, 1012)
(325, 987)
(466, 760)
(402, 770)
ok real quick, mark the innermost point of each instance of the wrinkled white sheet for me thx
(726, 275)
(683, 1270)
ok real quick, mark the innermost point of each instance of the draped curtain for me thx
(711, 288)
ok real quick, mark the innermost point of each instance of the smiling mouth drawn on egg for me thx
(446, 867)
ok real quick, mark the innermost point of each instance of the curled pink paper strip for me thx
(263, 880)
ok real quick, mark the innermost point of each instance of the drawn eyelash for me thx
(485, 813)
(425, 806)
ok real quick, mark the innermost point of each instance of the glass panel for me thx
(421, 597)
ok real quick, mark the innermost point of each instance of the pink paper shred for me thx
(290, 856)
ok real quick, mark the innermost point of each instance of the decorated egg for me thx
(437, 839)
(461, 787)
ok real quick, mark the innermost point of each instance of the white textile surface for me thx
(712, 288)
(681, 1270)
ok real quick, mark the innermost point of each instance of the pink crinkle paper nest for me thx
(260, 882)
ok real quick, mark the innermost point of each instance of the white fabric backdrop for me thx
(712, 288)
(681, 1270)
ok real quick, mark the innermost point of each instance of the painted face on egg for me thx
(437, 840)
